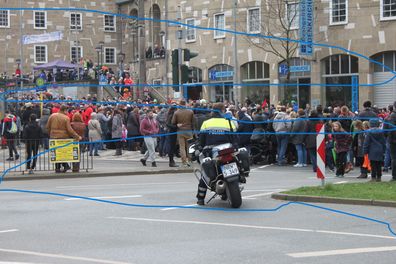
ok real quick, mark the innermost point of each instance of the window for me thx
(75, 21)
(191, 31)
(255, 70)
(76, 53)
(40, 19)
(388, 9)
(40, 54)
(4, 18)
(219, 23)
(293, 15)
(339, 12)
(109, 23)
(254, 20)
(340, 65)
(387, 59)
(110, 55)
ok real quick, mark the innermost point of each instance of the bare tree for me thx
(281, 21)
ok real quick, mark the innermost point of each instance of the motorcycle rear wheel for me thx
(234, 194)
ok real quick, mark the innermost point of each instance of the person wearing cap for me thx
(171, 138)
(27, 113)
(374, 146)
(9, 135)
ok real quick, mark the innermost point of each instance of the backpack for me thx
(14, 127)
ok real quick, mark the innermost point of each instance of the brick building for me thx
(364, 26)
(81, 33)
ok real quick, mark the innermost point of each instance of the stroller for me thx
(262, 148)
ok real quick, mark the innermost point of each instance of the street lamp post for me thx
(101, 44)
(121, 58)
(164, 45)
(98, 49)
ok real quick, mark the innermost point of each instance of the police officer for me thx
(212, 134)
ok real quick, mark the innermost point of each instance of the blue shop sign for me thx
(302, 68)
(214, 75)
(283, 69)
(306, 27)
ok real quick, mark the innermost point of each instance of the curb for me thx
(318, 199)
(93, 175)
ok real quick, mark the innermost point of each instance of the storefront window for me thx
(338, 71)
(339, 95)
(297, 87)
(222, 75)
(255, 72)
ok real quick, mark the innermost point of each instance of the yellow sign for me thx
(63, 150)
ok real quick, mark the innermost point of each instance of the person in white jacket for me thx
(282, 126)
(94, 134)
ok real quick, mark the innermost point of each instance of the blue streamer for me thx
(240, 210)
(213, 29)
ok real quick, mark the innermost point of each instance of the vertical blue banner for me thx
(306, 27)
(355, 93)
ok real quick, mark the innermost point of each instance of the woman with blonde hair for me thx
(343, 142)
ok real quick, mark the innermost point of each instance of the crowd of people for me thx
(352, 139)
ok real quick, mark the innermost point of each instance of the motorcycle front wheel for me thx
(234, 194)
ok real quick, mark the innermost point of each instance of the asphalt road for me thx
(50, 229)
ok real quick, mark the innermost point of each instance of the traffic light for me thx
(175, 69)
(185, 73)
(188, 54)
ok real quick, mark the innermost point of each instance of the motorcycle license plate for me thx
(230, 170)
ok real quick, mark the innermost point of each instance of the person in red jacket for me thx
(87, 114)
(148, 128)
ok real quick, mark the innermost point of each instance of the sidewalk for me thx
(107, 165)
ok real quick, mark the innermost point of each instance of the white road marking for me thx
(340, 252)
(114, 185)
(59, 256)
(175, 208)
(106, 197)
(251, 227)
(9, 231)
(257, 195)
(8, 262)
(265, 190)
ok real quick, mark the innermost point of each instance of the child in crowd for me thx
(343, 142)
(375, 146)
(358, 141)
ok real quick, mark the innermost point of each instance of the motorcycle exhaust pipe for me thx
(220, 187)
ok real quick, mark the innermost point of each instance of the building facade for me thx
(264, 68)
(75, 35)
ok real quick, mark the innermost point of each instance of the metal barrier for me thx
(43, 160)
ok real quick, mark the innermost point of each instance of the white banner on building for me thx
(47, 37)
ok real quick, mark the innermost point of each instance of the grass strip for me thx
(381, 191)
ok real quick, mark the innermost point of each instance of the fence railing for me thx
(43, 162)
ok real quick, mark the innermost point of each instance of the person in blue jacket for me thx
(375, 146)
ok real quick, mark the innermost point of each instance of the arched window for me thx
(340, 64)
(387, 58)
(155, 27)
(255, 70)
(337, 72)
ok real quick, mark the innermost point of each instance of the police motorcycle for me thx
(223, 169)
